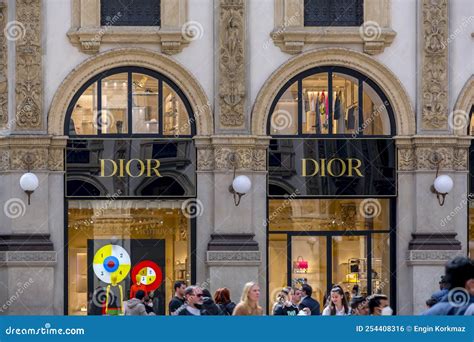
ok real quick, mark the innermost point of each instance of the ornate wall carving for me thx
(47, 153)
(29, 73)
(232, 70)
(251, 153)
(419, 153)
(3, 67)
(434, 78)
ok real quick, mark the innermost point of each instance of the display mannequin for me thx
(114, 298)
(137, 286)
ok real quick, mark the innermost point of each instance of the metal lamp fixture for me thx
(241, 184)
(442, 184)
(29, 181)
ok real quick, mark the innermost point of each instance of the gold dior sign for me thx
(121, 167)
(335, 167)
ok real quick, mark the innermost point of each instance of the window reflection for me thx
(376, 120)
(327, 215)
(284, 120)
(84, 116)
(145, 104)
(114, 113)
(175, 117)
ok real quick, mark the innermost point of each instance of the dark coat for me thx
(312, 304)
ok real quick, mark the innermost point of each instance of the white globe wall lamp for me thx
(29, 182)
(240, 184)
(442, 184)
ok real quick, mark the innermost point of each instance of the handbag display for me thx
(300, 265)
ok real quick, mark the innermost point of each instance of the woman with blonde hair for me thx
(248, 305)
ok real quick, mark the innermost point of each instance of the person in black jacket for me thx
(178, 300)
(309, 302)
(222, 299)
(209, 308)
(288, 305)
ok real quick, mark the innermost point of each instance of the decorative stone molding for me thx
(460, 118)
(291, 36)
(3, 67)
(434, 241)
(87, 33)
(26, 242)
(136, 57)
(28, 258)
(417, 153)
(434, 59)
(29, 71)
(231, 62)
(431, 257)
(47, 152)
(234, 256)
(388, 82)
(213, 152)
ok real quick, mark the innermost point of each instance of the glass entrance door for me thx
(349, 263)
(309, 263)
(329, 259)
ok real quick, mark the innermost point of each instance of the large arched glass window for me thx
(331, 101)
(130, 101)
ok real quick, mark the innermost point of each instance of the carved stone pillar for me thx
(231, 239)
(3, 67)
(29, 71)
(231, 106)
(428, 234)
(434, 65)
(31, 241)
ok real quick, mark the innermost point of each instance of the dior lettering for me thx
(335, 167)
(123, 168)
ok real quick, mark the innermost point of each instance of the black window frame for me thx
(330, 70)
(130, 134)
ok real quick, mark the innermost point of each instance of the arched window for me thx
(130, 102)
(331, 101)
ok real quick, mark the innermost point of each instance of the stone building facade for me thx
(228, 61)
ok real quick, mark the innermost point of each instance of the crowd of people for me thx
(298, 301)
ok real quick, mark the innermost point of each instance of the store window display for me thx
(131, 246)
(330, 101)
(331, 186)
(130, 177)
